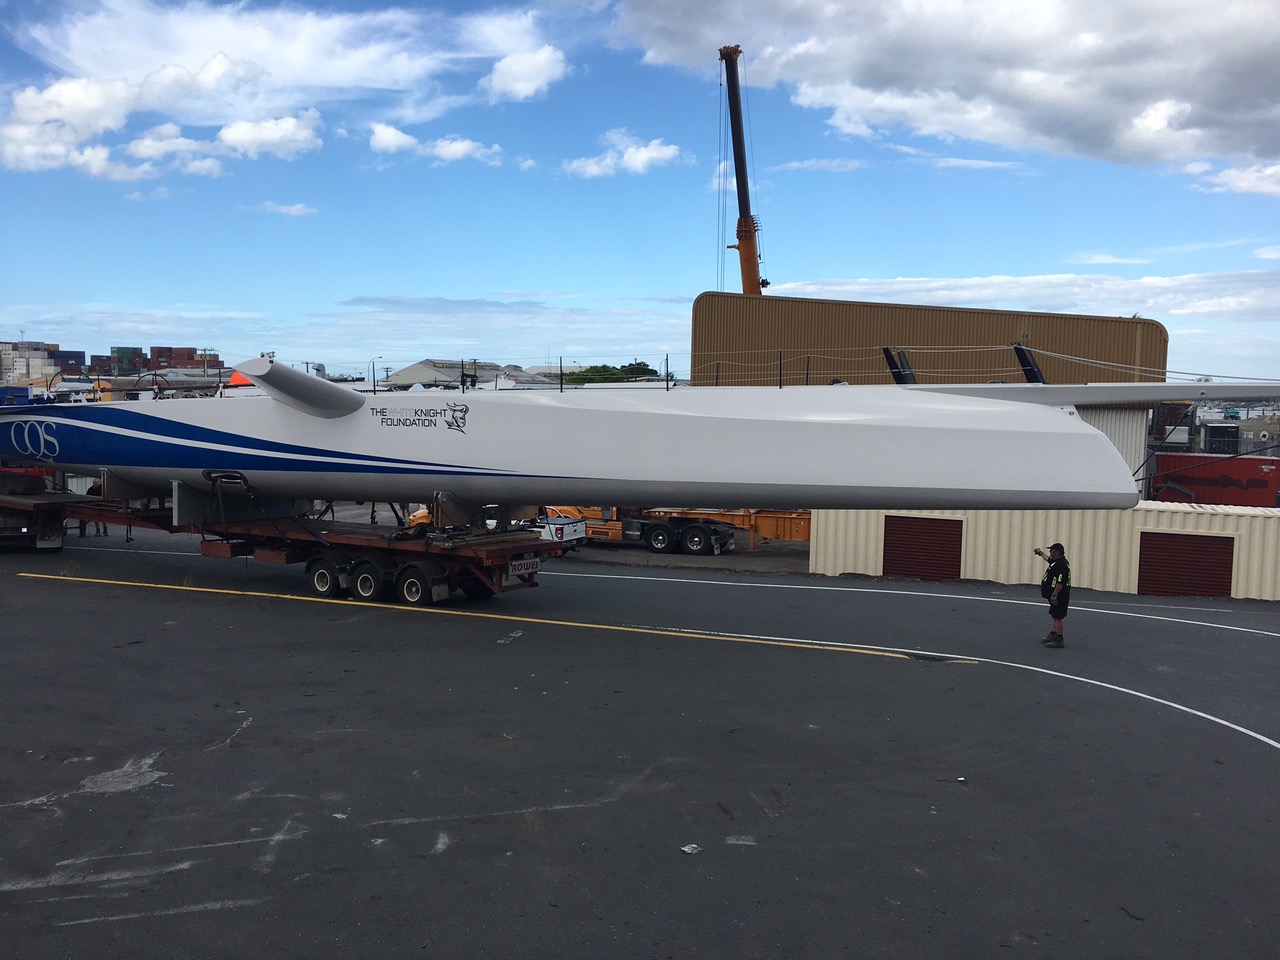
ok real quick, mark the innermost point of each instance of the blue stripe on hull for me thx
(108, 417)
(93, 436)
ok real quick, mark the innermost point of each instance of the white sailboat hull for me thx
(802, 447)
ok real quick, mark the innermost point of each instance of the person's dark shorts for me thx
(1058, 610)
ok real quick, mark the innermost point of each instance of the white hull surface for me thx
(801, 447)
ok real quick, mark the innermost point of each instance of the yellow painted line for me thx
(477, 615)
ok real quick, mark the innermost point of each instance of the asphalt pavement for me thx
(644, 757)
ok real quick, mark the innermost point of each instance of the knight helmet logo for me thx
(457, 418)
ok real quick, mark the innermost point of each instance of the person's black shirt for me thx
(1059, 572)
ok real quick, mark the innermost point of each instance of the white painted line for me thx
(800, 642)
(755, 585)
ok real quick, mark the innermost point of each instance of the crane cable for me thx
(751, 149)
(722, 187)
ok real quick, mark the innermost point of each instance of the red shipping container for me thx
(1208, 478)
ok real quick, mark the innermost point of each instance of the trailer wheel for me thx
(324, 579)
(660, 538)
(367, 582)
(695, 539)
(413, 584)
(473, 587)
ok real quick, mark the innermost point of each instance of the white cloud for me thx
(285, 137)
(521, 76)
(259, 74)
(964, 163)
(1219, 324)
(725, 180)
(1100, 78)
(828, 165)
(47, 129)
(205, 167)
(449, 149)
(164, 140)
(624, 153)
(387, 139)
(1267, 253)
(1105, 258)
(1242, 295)
(214, 63)
(288, 209)
(139, 196)
(1255, 179)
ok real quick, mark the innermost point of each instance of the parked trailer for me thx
(340, 558)
(26, 520)
(761, 526)
(662, 531)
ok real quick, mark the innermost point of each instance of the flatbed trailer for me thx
(761, 526)
(660, 530)
(31, 521)
(340, 558)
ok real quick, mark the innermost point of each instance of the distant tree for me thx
(600, 373)
(603, 373)
(638, 369)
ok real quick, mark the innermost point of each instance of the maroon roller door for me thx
(923, 547)
(1185, 565)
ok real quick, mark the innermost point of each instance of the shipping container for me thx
(1208, 478)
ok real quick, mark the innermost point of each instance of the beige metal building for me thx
(769, 341)
(1156, 548)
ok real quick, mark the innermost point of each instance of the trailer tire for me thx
(660, 538)
(324, 578)
(473, 587)
(413, 584)
(695, 539)
(367, 582)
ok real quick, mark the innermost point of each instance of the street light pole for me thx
(373, 374)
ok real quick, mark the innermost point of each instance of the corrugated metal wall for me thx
(740, 340)
(1102, 545)
(1124, 427)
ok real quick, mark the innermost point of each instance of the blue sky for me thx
(522, 182)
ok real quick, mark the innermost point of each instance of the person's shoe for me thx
(1056, 643)
(1049, 637)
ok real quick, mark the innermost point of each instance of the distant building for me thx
(479, 374)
